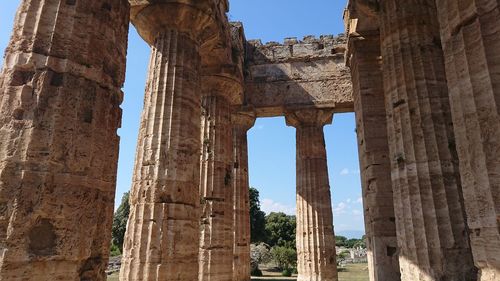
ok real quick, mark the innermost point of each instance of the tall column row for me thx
(241, 122)
(368, 94)
(60, 96)
(164, 199)
(315, 235)
(428, 200)
(216, 188)
(441, 69)
(470, 34)
(164, 224)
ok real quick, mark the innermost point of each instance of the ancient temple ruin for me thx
(423, 78)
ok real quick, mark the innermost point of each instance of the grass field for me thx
(352, 272)
(113, 277)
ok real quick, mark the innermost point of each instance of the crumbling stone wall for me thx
(308, 73)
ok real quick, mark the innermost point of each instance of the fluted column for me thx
(315, 235)
(163, 223)
(368, 93)
(60, 96)
(432, 234)
(163, 229)
(241, 123)
(470, 33)
(216, 189)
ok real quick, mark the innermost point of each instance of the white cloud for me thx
(268, 205)
(360, 200)
(340, 209)
(346, 171)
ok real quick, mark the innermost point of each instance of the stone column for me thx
(431, 228)
(241, 122)
(368, 93)
(163, 229)
(315, 236)
(216, 188)
(470, 33)
(60, 96)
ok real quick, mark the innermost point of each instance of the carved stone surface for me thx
(222, 90)
(297, 74)
(216, 190)
(242, 122)
(470, 32)
(315, 236)
(60, 96)
(60, 92)
(368, 93)
(430, 218)
(164, 202)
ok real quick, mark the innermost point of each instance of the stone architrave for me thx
(428, 200)
(470, 34)
(315, 234)
(60, 96)
(368, 93)
(163, 230)
(216, 186)
(241, 123)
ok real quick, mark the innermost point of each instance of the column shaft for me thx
(216, 245)
(432, 233)
(60, 92)
(241, 263)
(368, 93)
(470, 33)
(315, 235)
(163, 228)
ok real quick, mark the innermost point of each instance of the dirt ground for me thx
(352, 272)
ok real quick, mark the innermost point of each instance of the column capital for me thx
(370, 8)
(223, 86)
(309, 117)
(199, 19)
(243, 119)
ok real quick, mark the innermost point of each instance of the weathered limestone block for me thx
(297, 74)
(470, 33)
(60, 92)
(216, 188)
(430, 219)
(222, 90)
(164, 203)
(163, 229)
(368, 93)
(315, 235)
(241, 123)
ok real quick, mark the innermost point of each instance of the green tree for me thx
(120, 222)
(340, 241)
(257, 218)
(284, 257)
(280, 230)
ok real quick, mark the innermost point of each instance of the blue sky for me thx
(271, 143)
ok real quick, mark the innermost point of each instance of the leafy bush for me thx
(286, 272)
(256, 272)
(284, 257)
(259, 253)
(115, 251)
